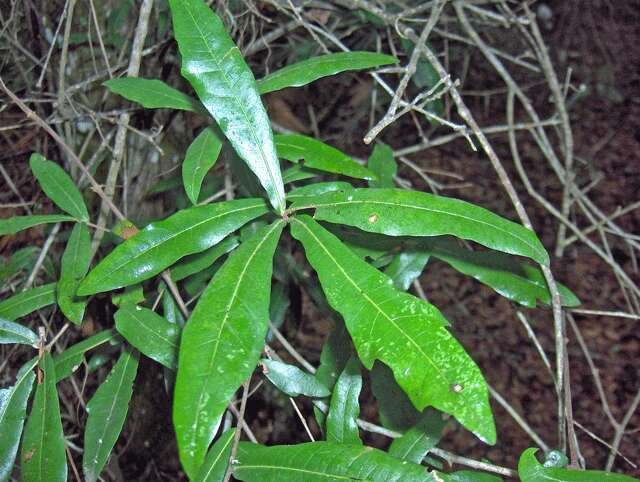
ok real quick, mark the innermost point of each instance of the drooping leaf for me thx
(18, 223)
(197, 262)
(107, 411)
(530, 470)
(344, 409)
(11, 332)
(398, 212)
(323, 462)
(221, 343)
(153, 94)
(161, 244)
(70, 360)
(419, 439)
(28, 301)
(320, 156)
(150, 333)
(406, 267)
(316, 189)
(404, 332)
(214, 66)
(13, 411)
(383, 164)
(73, 267)
(58, 186)
(43, 454)
(201, 155)
(217, 460)
(293, 381)
(396, 411)
(305, 72)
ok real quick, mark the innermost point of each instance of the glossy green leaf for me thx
(153, 335)
(396, 411)
(511, 278)
(221, 343)
(293, 381)
(107, 411)
(305, 72)
(197, 262)
(171, 310)
(201, 155)
(468, 476)
(58, 186)
(131, 295)
(323, 462)
(11, 332)
(298, 173)
(18, 223)
(73, 267)
(13, 411)
(530, 470)
(70, 360)
(28, 301)
(419, 439)
(161, 244)
(398, 212)
(320, 156)
(382, 163)
(214, 66)
(344, 409)
(317, 188)
(153, 94)
(406, 267)
(404, 332)
(43, 454)
(217, 460)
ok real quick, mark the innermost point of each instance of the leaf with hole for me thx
(293, 381)
(201, 155)
(73, 268)
(344, 408)
(153, 94)
(28, 301)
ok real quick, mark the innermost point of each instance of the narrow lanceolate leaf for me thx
(419, 439)
(293, 381)
(396, 411)
(383, 164)
(404, 332)
(150, 333)
(70, 360)
(468, 476)
(73, 268)
(406, 267)
(161, 244)
(58, 186)
(214, 66)
(197, 262)
(107, 411)
(43, 453)
(217, 461)
(153, 94)
(221, 343)
(28, 301)
(318, 155)
(13, 411)
(18, 223)
(323, 462)
(530, 470)
(316, 189)
(344, 409)
(398, 212)
(201, 155)
(305, 72)
(11, 332)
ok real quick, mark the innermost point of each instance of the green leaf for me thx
(322, 462)
(153, 94)
(293, 381)
(394, 407)
(344, 409)
(530, 470)
(197, 262)
(221, 343)
(406, 333)
(382, 163)
(131, 295)
(509, 277)
(316, 189)
(74, 266)
(43, 454)
(150, 333)
(305, 72)
(171, 310)
(415, 444)
(70, 360)
(201, 155)
(107, 411)
(13, 411)
(406, 267)
(28, 301)
(468, 476)
(11, 332)
(58, 186)
(398, 212)
(18, 223)
(320, 156)
(161, 244)
(217, 461)
(20, 260)
(214, 66)
(298, 173)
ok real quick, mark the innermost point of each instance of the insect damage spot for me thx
(373, 218)
(456, 388)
